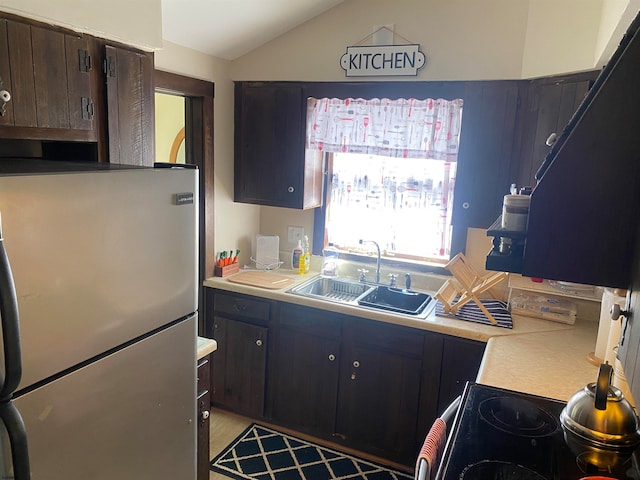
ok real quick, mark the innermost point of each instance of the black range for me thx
(503, 434)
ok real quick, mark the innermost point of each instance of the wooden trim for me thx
(198, 150)
(167, 82)
(49, 134)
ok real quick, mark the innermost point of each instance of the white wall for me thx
(561, 37)
(461, 39)
(617, 15)
(137, 23)
(169, 122)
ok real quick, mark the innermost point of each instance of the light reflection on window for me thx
(403, 204)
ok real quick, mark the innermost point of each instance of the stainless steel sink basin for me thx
(352, 292)
(396, 300)
(341, 290)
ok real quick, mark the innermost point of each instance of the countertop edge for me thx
(205, 346)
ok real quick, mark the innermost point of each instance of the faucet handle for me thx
(392, 279)
(407, 281)
(363, 274)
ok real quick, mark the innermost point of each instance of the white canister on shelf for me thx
(515, 212)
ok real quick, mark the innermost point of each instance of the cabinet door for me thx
(240, 366)
(461, 360)
(269, 147)
(429, 385)
(484, 159)
(549, 104)
(379, 389)
(303, 370)
(130, 106)
(16, 71)
(49, 76)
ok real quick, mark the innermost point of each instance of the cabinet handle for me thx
(290, 189)
(204, 414)
(5, 97)
(332, 357)
(466, 205)
(259, 342)
(353, 375)
(356, 364)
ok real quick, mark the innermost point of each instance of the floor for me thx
(226, 426)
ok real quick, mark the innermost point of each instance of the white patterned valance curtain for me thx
(405, 128)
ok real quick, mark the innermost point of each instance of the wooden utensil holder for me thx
(226, 270)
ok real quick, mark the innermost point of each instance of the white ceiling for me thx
(230, 28)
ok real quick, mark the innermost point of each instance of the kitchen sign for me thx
(383, 60)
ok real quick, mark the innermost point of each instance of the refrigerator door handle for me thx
(17, 439)
(10, 326)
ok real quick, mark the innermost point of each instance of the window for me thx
(401, 203)
(391, 173)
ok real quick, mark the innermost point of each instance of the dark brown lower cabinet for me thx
(239, 379)
(379, 388)
(239, 323)
(304, 365)
(364, 384)
(461, 360)
(203, 407)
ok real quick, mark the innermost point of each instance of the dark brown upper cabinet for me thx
(130, 106)
(583, 224)
(50, 76)
(270, 166)
(547, 107)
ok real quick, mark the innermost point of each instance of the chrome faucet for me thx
(362, 242)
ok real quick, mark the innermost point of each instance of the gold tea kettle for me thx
(599, 424)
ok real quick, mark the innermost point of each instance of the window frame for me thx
(489, 151)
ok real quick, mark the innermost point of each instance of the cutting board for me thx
(259, 278)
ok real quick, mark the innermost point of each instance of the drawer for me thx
(310, 320)
(203, 376)
(386, 336)
(238, 306)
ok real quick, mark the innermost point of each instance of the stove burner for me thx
(588, 468)
(493, 469)
(517, 417)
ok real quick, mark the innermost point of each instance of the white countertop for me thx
(536, 356)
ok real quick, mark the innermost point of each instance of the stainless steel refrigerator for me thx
(98, 297)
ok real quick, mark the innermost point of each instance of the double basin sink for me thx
(379, 297)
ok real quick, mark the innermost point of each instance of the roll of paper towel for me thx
(609, 298)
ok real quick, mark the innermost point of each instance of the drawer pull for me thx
(259, 342)
(332, 357)
(356, 364)
(204, 415)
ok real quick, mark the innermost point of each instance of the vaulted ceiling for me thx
(230, 28)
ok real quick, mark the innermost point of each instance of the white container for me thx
(545, 307)
(330, 261)
(515, 212)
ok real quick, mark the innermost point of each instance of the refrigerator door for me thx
(130, 415)
(98, 259)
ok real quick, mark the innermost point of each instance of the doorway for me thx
(198, 150)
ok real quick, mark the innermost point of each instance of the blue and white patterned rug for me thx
(260, 453)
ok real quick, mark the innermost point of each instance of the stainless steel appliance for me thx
(98, 301)
(500, 433)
